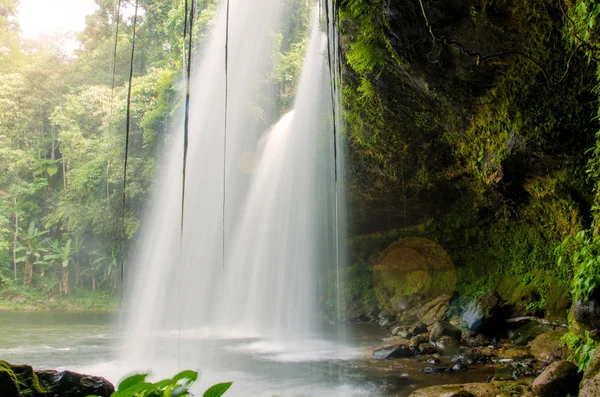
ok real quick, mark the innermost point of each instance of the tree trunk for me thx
(15, 241)
(93, 283)
(115, 278)
(65, 280)
(64, 167)
(28, 272)
(77, 274)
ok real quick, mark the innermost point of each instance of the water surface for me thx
(317, 366)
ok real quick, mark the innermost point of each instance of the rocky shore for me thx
(526, 354)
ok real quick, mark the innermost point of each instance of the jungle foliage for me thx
(62, 137)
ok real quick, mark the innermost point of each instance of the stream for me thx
(319, 366)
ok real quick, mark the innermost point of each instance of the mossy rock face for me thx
(410, 269)
(8, 384)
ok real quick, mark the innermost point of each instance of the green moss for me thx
(23, 378)
(487, 159)
(8, 380)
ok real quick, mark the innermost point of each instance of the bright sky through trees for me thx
(38, 17)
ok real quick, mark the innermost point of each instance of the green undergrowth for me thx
(13, 297)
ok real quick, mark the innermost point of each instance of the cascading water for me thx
(281, 208)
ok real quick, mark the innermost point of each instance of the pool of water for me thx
(318, 366)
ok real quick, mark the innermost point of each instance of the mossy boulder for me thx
(528, 332)
(448, 345)
(548, 347)
(411, 270)
(23, 380)
(444, 328)
(559, 379)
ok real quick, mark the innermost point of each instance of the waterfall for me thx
(281, 223)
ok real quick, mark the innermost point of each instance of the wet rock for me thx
(8, 384)
(547, 347)
(404, 334)
(474, 339)
(430, 311)
(478, 313)
(587, 314)
(22, 380)
(492, 389)
(560, 379)
(416, 341)
(472, 356)
(70, 384)
(385, 319)
(433, 361)
(418, 328)
(461, 393)
(528, 332)
(400, 303)
(448, 345)
(590, 386)
(459, 367)
(444, 328)
(427, 348)
(435, 370)
(392, 351)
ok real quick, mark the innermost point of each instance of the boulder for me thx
(478, 313)
(547, 347)
(493, 389)
(448, 345)
(400, 303)
(587, 314)
(418, 328)
(71, 384)
(392, 351)
(559, 379)
(427, 348)
(22, 380)
(474, 339)
(528, 332)
(416, 341)
(461, 393)
(444, 328)
(433, 310)
(590, 386)
(385, 319)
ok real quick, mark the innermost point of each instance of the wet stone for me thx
(418, 328)
(427, 348)
(448, 345)
(416, 341)
(458, 367)
(392, 351)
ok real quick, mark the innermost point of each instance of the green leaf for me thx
(186, 375)
(52, 170)
(217, 390)
(131, 381)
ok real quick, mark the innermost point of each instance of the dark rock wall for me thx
(469, 125)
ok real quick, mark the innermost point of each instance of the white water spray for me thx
(280, 214)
